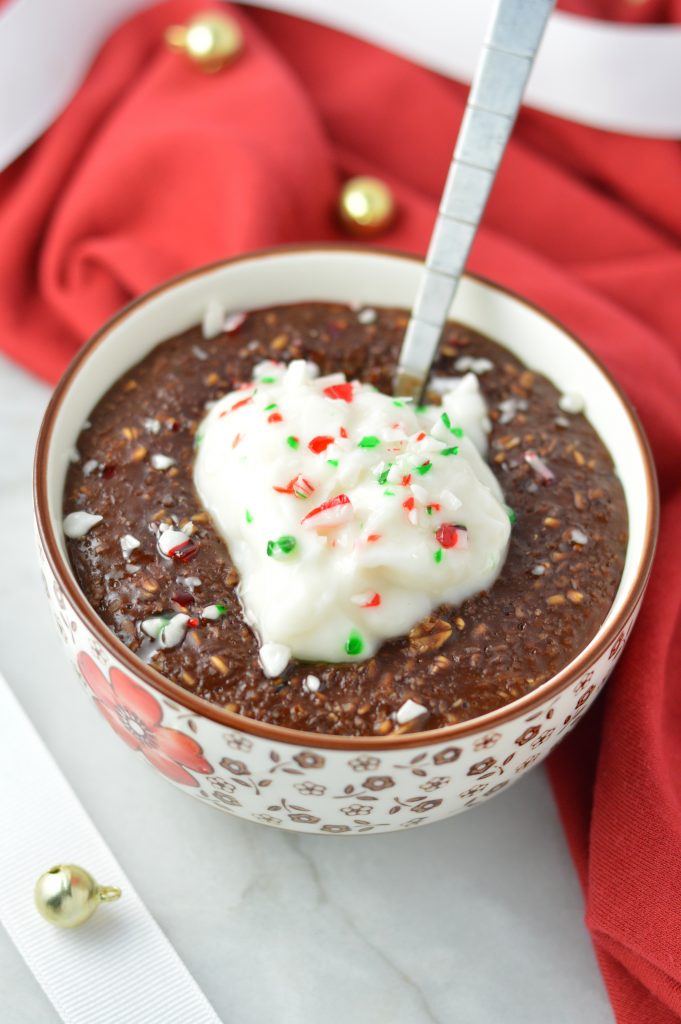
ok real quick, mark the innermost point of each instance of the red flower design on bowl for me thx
(136, 716)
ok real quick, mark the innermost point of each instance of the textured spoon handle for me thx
(494, 100)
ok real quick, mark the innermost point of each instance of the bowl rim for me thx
(299, 737)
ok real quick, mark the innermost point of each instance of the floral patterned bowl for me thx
(283, 777)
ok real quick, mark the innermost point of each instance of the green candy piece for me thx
(369, 442)
(354, 644)
(383, 478)
(438, 556)
(292, 442)
(425, 468)
(449, 451)
(281, 547)
(511, 514)
(249, 517)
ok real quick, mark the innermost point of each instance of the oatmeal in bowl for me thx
(257, 536)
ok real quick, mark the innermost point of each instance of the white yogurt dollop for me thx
(349, 515)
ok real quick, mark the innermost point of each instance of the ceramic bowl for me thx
(284, 777)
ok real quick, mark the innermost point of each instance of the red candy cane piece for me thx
(339, 392)
(320, 443)
(275, 417)
(334, 512)
(450, 535)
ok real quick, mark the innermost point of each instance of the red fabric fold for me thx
(155, 168)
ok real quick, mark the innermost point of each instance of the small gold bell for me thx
(67, 895)
(366, 206)
(209, 40)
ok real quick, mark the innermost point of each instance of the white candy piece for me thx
(162, 462)
(152, 426)
(174, 631)
(579, 537)
(212, 613)
(274, 658)
(77, 524)
(366, 316)
(356, 530)
(476, 366)
(311, 684)
(213, 319)
(89, 467)
(129, 544)
(409, 711)
(170, 539)
(153, 626)
(571, 402)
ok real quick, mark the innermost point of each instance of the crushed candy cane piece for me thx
(213, 612)
(311, 684)
(274, 658)
(129, 544)
(571, 403)
(579, 537)
(368, 599)
(233, 322)
(77, 524)
(174, 631)
(409, 711)
(162, 462)
(153, 626)
(451, 535)
(539, 468)
(329, 514)
(477, 366)
(213, 319)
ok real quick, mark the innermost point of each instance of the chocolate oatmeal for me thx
(563, 566)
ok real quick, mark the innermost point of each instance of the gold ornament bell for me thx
(68, 895)
(209, 40)
(366, 206)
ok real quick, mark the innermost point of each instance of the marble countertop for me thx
(476, 919)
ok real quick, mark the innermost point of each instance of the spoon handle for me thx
(494, 99)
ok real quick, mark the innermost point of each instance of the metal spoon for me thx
(494, 99)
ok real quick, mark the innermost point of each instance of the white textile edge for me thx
(118, 968)
(620, 78)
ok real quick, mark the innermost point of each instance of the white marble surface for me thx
(476, 919)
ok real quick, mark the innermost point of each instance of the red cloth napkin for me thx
(154, 168)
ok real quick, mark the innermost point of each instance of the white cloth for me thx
(624, 78)
(118, 968)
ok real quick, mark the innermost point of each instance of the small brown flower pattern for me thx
(308, 759)
(237, 741)
(480, 767)
(447, 756)
(357, 810)
(435, 783)
(310, 788)
(235, 767)
(364, 764)
(378, 782)
(528, 735)
(485, 742)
